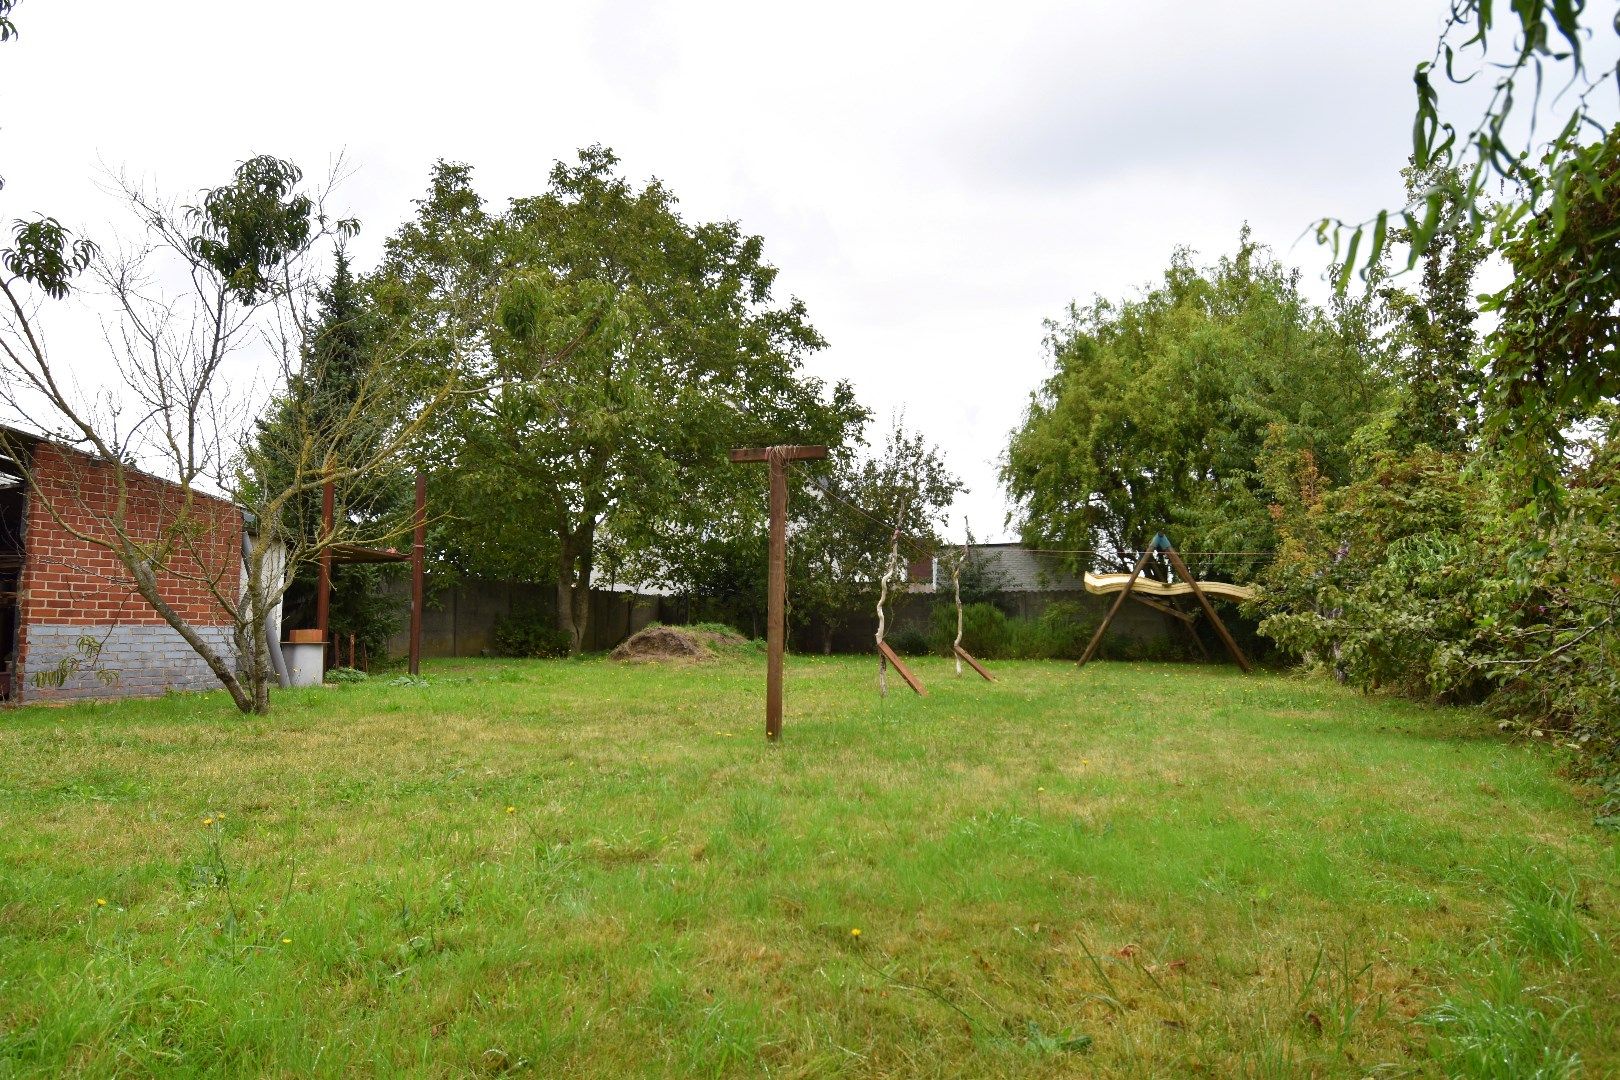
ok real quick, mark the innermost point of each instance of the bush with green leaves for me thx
(529, 634)
(1431, 576)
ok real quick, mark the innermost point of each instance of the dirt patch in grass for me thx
(664, 644)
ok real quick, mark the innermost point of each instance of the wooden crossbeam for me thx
(905, 672)
(1162, 608)
(972, 663)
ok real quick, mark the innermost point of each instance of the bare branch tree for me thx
(209, 326)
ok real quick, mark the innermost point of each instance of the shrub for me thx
(346, 675)
(910, 641)
(1431, 578)
(984, 630)
(529, 634)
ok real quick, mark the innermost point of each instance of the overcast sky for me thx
(933, 180)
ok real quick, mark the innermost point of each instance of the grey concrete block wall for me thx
(146, 659)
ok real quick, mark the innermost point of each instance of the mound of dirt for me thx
(666, 643)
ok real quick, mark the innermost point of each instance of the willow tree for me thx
(616, 349)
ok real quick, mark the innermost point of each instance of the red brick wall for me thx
(67, 580)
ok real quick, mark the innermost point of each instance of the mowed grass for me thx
(586, 869)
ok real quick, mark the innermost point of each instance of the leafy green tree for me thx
(1435, 348)
(1158, 407)
(1547, 181)
(1553, 357)
(612, 351)
(845, 517)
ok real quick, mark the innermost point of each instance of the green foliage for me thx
(1159, 406)
(46, 255)
(845, 513)
(1554, 356)
(1523, 49)
(530, 633)
(346, 675)
(86, 656)
(610, 353)
(1420, 577)
(247, 229)
(1060, 632)
(984, 629)
(1432, 342)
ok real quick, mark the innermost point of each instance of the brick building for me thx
(71, 623)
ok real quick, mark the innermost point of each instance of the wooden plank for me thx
(1119, 602)
(905, 673)
(971, 662)
(1220, 627)
(787, 453)
(1164, 608)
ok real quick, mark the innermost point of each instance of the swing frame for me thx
(1161, 544)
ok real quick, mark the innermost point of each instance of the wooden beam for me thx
(787, 453)
(1163, 608)
(1220, 627)
(905, 672)
(972, 663)
(418, 557)
(323, 581)
(1119, 602)
(776, 593)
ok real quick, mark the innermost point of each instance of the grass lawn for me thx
(584, 869)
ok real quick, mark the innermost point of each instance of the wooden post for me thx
(963, 654)
(1119, 602)
(418, 557)
(1209, 609)
(323, 587)
(887, 653)
(776, 595)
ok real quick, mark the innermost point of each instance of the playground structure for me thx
(1154, 594)
(956, 563)
(887, 655)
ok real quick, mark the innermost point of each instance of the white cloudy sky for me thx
(933, 180)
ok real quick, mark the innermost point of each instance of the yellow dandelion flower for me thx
(855, 932)
(207, 821)
(1040, 789)
(511, 809)
(286, 941)
(100, 902)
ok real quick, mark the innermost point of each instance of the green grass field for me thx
(583, 869)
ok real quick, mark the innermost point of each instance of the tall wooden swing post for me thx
(323, 585)
(418, 557)
(776, 593)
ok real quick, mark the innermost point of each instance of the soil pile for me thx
(674, 643)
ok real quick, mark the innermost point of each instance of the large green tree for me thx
(612, 351)
(1158, 407)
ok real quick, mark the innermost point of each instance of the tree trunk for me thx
(576, 555)
(146, 585)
